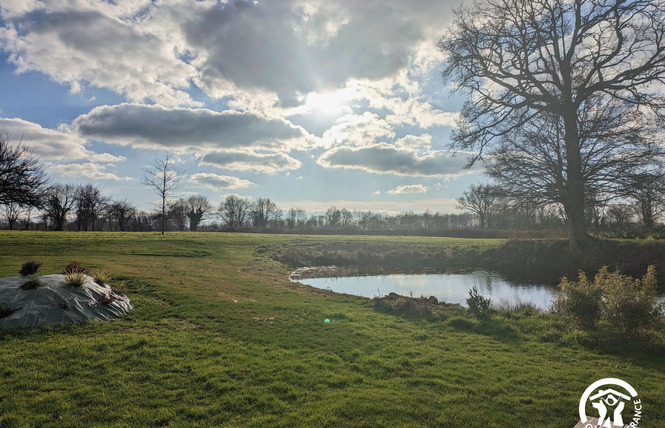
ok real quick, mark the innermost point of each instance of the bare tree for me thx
(122, 212)
(296, 217)
(263, 211)
(90, 204)
(532, 165)
(619, 215)
(556, 61)
(162, 178)
(648, 191)
(27, 211)
(57, 202)
(12, 213)
(333, 216)
(197, 206)
(427, 219)
(22, 177)
(481, 200)
(368, 220)
(178, 213)
(234, 211)
(346, 217)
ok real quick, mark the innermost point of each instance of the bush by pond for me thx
(480, 306)
(627, 305)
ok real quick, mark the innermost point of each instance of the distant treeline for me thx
(84, 208)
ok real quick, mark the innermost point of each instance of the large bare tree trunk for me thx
(577, 232)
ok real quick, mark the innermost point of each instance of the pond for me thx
(449, 288)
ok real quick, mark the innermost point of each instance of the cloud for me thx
(218, 182)
(357, 130)
(126, 48)
(105, 158)
(88, 169)
(150, 126)
(404, 106)
(256, 162)
(415, 142)
(49, 144)
(158, 50)
(384, 158)
(408, 189)
(298, 47)
(414, 112)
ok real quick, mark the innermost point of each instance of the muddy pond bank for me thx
(543, 261)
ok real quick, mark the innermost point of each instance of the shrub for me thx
(630, 305)
(627, 304)
(403, 306)
(581, 301)
(293, 256)
(30, 268)
(75, 279)
(524, 308)
(100, 277)
(74, 267)
(406, 307)
(480, 306)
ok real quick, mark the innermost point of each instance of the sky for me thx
(310, 103)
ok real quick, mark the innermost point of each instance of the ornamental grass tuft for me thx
(76, 279)
(99, 276)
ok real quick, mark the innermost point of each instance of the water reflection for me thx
(450, 288)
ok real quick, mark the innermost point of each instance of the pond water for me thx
(450, 288)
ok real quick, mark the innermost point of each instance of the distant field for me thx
(220, 337)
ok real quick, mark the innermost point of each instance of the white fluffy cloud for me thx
(80, 42)
(357, 130)
(218, 182)
(415, 142)
(408, 189)
(296, 47)
(151, 126)
(158, 50)
(51, 144)
(257, 162)
(384, 158)
(401, 99)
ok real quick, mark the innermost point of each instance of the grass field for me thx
(220, 337)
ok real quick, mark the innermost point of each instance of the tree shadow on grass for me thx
(604, 340)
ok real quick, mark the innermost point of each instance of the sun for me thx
(328, 102)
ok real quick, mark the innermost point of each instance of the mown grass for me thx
(220, 337)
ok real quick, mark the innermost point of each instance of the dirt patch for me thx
(405, 306)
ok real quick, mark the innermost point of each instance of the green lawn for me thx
(220, 337)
